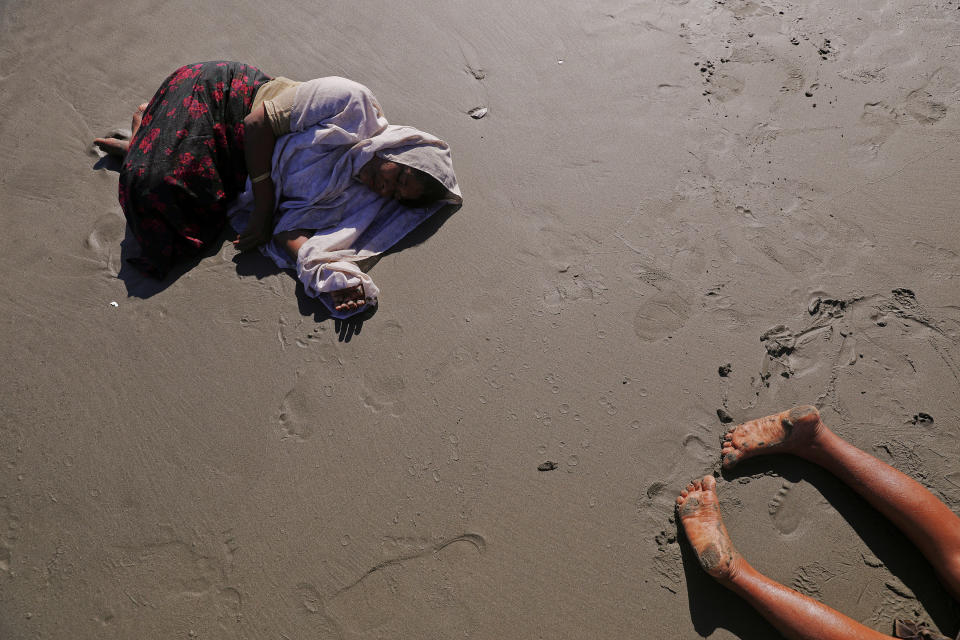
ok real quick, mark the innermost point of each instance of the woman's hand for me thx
(251, 238)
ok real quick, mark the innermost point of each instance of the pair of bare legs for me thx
(349, 299)
(929, 523)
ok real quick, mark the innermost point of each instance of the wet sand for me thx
(657, 190)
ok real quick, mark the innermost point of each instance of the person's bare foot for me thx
(113, 146)
(116, 146)
(348, 299)
(699, 512)
(784, 432)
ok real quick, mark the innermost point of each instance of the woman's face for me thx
(391, 179)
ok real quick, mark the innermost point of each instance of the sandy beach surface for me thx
(658, 189)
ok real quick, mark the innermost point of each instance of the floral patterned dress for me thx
(186, 164)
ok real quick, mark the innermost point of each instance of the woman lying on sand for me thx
(923, 518)
(310, 172)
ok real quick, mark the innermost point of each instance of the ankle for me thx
(817, 444)
(735, 572)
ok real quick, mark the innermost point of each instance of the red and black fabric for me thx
(186, 164)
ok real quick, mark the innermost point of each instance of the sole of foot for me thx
(699, 511)
(783, 432)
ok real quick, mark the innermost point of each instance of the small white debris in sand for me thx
(477, 112)
(114, 303)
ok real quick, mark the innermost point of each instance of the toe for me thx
(709, 483)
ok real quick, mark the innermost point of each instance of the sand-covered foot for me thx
(118, 146)
(112, 146)
(784, 432)
(699, 512)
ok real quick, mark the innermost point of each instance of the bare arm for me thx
(259, 142)
(292, 240)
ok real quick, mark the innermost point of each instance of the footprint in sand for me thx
(297, 421)
(172, 575)
(878, 114)
(660, 314)
(726, 87)
(105, 237)
(107, 232)
(783, 510)
(303, 406)
(694, 453)
(8, 536)
(424, 594)
(794, 81)
(924, 108)
(668, 562)
(382, 392)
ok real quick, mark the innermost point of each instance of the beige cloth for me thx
(277, 97)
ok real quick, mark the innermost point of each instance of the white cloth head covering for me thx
(337, 127)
